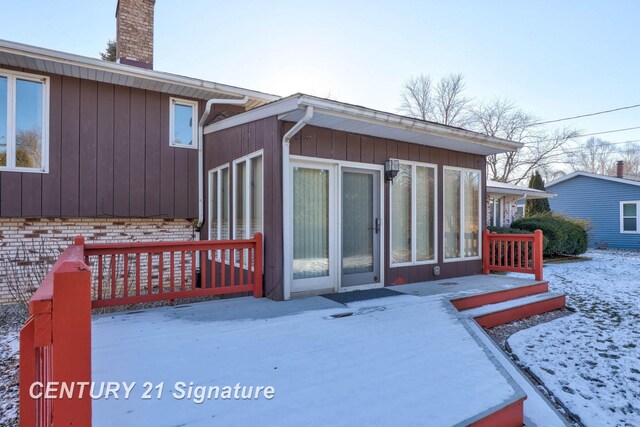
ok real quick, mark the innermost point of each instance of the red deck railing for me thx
(55, 345)
(519, 253)
(55, 342)
(132, 273)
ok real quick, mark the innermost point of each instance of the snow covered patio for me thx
(406, 359)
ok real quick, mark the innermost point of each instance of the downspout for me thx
(287, 231)
(201, 177)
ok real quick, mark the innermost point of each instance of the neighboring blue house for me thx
(611, 204)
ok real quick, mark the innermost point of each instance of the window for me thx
(520, 212)
(219, 203)
(461, 213)
(413, 214)
(24, 122)
(629, 217)
(183, 119)
(495, 211)
(247, 196)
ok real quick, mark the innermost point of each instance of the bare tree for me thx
(594, 156)
(502, 119)
(629, 153)
(443, 102)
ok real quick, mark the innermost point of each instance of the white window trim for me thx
(637, 216)
(414, 240)
(462, 257)
(11, 108)
(247, 191)
(218, 192)
(194, 122)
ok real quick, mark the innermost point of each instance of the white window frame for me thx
(481, 197)
(217, 194)
(247, 192)
(12, 76)
(194, 120)
(414, 240)
(637, 217)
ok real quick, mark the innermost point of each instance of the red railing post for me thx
(538, 243)
(257, 267)
(485, 251)
(27, 374)
(71, 327)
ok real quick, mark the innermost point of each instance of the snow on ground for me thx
(9, 346)
(396, 361)
(591, 360)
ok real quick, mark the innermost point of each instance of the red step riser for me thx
(520, 312)
(500, 296)
(509, 416)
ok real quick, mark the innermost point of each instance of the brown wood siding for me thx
(221, 148)
(337, 145)
(109, 156)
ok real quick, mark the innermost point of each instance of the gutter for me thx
(287, 224)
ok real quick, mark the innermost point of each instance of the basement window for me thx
(183, 119)
(24, 122)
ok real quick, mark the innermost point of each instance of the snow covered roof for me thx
(503, 188)
(593, 175)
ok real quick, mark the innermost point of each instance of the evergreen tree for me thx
(109, 53)
(536, 206)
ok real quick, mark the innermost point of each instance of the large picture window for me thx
(413, 214)
(24, 112)
(629, 217)
(183, 119)
(461, 213)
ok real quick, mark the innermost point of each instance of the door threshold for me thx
(361, 287)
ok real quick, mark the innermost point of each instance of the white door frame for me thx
(335, 234)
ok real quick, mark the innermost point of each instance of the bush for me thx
(563, 235)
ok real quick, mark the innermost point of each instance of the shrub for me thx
(563, 236)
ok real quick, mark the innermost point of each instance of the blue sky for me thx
(554, 59)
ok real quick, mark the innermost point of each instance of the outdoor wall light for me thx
(391, 169)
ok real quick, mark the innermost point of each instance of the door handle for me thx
(376, 226)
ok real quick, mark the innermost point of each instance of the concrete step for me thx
(491, 315)
(473, 301)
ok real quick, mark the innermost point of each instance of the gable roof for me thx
(593, 175)
(497, 187)
(352, 118)
(68, 64)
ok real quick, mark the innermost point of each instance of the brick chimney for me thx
(134, 34)
(620, 170)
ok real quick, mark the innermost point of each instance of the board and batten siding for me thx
(222, 147)
(109, 156)
(325, 143)
(598, 201)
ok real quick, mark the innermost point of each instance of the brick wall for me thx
(43, 237)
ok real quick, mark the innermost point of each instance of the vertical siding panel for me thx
(152, 155)
(121, 130)
(323, 143)
(193, 184)
(425, 155)
(51, 180)
(308, 141)
(70, 152)
(403, 151)
(11, 201)
(137, 153)
(379, 150)
(88, 149)
(31, 194)
(339, 145)
(392, 149)
(167, 162)
(414, 152)
(353, 147)
(105, 175)
(366, 149)
(181, 186)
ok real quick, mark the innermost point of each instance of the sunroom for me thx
(347, 197)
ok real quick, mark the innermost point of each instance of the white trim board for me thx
(592, 175)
